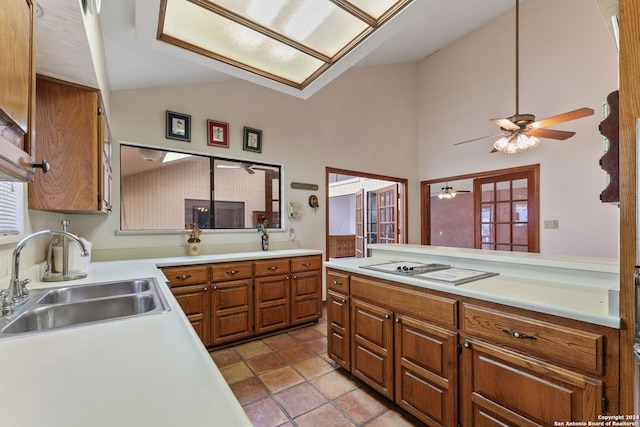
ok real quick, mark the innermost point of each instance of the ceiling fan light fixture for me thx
(513, 144)
(447, 193)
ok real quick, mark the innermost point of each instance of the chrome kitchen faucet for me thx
(17, 292)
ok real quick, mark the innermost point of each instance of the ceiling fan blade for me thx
(564, 117)
(482, 137)
(551, 134)
(505, 124)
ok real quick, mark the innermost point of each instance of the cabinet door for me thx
(272, 303)
(306, 297)
(505, 388)
(67, 129)
(338, 342)
(371, 346)
(231, 307)
(194, 301)
(426, 371)
(17, 97)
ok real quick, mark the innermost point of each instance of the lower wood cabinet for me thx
(451, 360)
(227, 302)
(426, 370)
(231, 311)
(190, 286)
(505, 388)
(273, 303)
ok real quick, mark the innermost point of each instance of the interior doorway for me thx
(363, 209)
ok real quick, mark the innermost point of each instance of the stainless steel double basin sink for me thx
(64, 307)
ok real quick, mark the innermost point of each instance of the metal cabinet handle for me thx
(467, 344)
(295, 277)
(387, 316)
(397, 320)
(519, 335)
(306, 264)
(232, 272)
(272, 268)
(215, 288)
(204, 289)
(44, 166)
(335, 282)
(183, 277)
(344, 301)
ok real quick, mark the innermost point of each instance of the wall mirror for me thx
(164, 190)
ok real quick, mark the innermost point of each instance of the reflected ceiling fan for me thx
(247, 167)
(522, 132)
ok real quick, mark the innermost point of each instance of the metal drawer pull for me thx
(306, 264)
(387, 316)
(232, 272)
(183, 277)
(272, 268)
(335, 282)
(519, 335)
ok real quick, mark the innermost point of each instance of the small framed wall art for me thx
(178, 126)
(252, 140)
(217, 134)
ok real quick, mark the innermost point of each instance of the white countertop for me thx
(150, 370)
(570, 288)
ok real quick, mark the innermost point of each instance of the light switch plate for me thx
(551, 223)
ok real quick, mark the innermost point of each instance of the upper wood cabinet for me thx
(73, 137)
(17, 97)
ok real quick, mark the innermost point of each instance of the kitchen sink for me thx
(55, 308)
(100, 290)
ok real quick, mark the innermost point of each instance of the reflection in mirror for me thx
(164, 190)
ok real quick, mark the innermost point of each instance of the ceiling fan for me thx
(247, 167)
(522, 132)
(448, 192)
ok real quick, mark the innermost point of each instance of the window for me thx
(165, 190)
(11, 208)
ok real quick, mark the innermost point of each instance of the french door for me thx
(387, 201)
(506, 212)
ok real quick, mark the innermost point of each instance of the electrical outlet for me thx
(551, 223)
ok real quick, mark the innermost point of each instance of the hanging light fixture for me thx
(516, 143)
(447, 193)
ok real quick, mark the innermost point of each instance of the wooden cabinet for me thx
(371, 346)
(306, 289)
(426, 370)
(451, 360)
(272, 295)
(190, 285)
(17, 97)
(231, 302)
(341, 246)
(338, 320)
(72, 135)
(567, 372)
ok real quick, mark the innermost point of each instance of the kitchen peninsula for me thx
(545, 326)
(148, 370)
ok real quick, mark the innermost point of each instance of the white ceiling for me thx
(135, 59)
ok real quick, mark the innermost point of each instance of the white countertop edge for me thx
(353, 266)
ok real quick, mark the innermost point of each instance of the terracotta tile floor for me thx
(288, 380)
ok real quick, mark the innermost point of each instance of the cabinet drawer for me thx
(306, 263)
(272, 266)
(187, 275)
(231, 271)
(571, 347)
(428, 307)
(338, 282)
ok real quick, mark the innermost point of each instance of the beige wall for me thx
(381, 119)
(567, 61)
(366, 120)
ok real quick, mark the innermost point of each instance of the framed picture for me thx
(217, 134)
(252, 140)
(178, 126)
